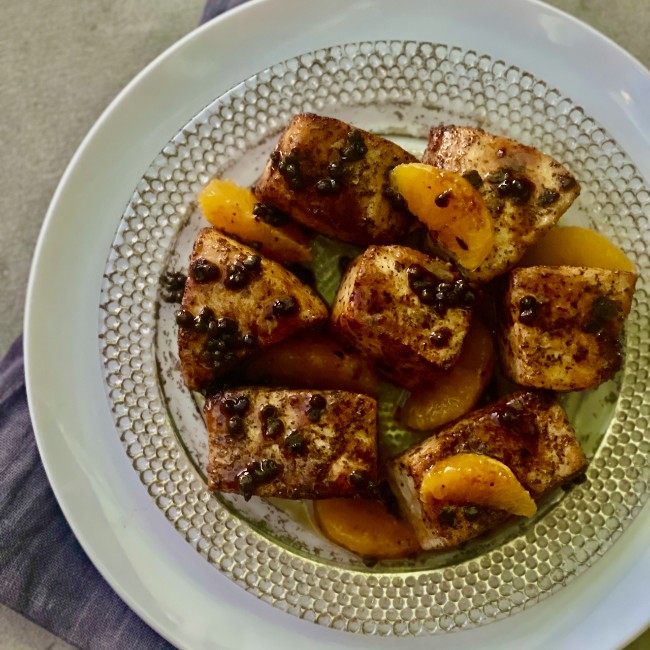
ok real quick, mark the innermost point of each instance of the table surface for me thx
(60, 65)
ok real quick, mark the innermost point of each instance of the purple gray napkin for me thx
(44, 573)
(215, 7)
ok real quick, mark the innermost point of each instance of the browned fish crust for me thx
(562, 325)
(527, 431)
(243, 297)
(333, 178)
(317, 444)
(378, 311)
(525, 190)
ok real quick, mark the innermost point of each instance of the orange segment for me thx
(450, 207)
(475, 479)
(365, 527)
(312, 361)
(575, 246)
(229, 207)
(456, 391)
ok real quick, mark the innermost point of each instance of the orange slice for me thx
(451, 208)
(365, 527)
(575, 246)
(312, 361)
(456, 391)
(229, 207)
(475, 479)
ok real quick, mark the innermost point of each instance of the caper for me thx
(471, 513)
(295, 442)
(246, 484)
(252, 263)
(318, 401)
(442, 200)
(184, 318)
(547, 197)
(355, 148)
(285, 306)
(328, 186)
(271, 215)
(447, 516)
(473, 178)
(358, 480)
(269, 411)
(202, 270)
(235, 425)
(227, 325)
(203, 320)
(249, 340)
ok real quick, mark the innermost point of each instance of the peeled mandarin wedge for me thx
(312, 361)
(475, 479)
(451, 208)
(365, 527)
(457, 390)
(229, 208)
(575, 246)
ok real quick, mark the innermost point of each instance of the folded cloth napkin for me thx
(215, 7)
(44, 573)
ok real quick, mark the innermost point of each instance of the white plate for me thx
(116, 521)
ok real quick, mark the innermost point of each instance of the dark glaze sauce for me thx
(184, 318)
(292, 169)
(509, 432)
(355, 148)
(567, 182)
(603, 324)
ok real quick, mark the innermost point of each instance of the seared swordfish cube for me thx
(407, 311)
(333, 178)
(236, 302)
(525, 190)
(563, 324)
(527, 431)
(295, 444)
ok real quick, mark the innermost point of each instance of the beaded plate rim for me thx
(370, 602)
